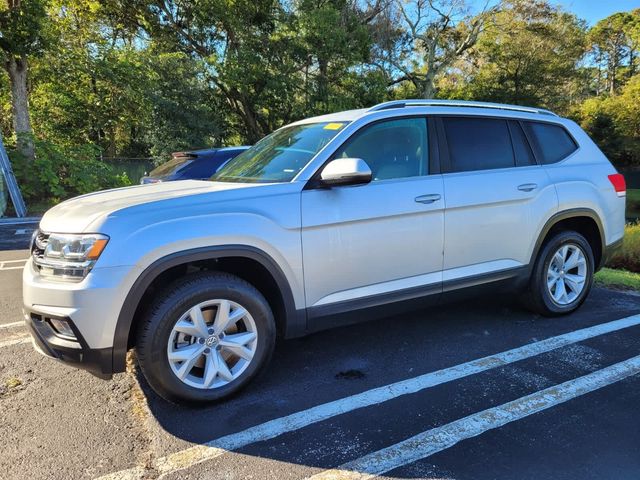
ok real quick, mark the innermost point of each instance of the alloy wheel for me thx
(567, 274)
(212, 344)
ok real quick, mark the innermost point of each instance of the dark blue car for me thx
(192, 165)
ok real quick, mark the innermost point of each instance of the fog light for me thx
(62, 327)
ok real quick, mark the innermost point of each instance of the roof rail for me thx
(456, 103)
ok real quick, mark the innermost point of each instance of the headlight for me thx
(65, 256)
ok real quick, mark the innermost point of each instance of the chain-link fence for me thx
(135, 168)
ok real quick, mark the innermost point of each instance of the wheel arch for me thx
(291, 322)
(583, 220)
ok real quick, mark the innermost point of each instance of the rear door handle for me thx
(433, 197)
(527, 187)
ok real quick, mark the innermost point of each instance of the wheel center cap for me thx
(562, 273)
(211, 341)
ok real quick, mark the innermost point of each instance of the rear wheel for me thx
(205, 338)
(562, 276)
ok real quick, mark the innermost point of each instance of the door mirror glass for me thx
(345, 171)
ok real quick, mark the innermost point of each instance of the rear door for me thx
(494, 192)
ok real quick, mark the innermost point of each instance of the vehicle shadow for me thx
(337, 363)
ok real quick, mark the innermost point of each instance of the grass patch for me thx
(608, 277)
(628, 257)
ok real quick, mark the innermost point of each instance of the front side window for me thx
(553, 141)
(478, 143)
(391, 148)
(280, 156)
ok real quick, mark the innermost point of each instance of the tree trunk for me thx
(428, 85)
(613, 66)
(323, 82)
(17, 70)
(249, 116)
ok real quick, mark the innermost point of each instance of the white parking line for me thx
(12, 325)
(15, 341)
(13, 264)
(271, 429)
(437, 439)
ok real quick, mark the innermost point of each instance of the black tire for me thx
(173, 302)
(538, 298)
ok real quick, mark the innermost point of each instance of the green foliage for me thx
(144, 78)
(628, 258)
(633, 203)
(614, 41)
(63, 172)
(614, 123)
(528, 55)
(182, 109)
(22, 25)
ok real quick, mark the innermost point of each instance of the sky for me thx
(589, 10)
(594, 10)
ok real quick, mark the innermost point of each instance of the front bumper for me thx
(76, 352)
(90, 308)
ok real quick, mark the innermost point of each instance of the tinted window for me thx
(478, 143)
(521, 147)
(202, 167)
(392, 149)
(553, 141)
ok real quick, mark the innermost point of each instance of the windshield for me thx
(280, 156)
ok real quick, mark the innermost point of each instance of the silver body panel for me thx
(332, 244)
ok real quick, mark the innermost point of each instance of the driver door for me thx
(381, 240)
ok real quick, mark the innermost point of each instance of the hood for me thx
(77, 214)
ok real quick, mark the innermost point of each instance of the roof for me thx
(351, 115)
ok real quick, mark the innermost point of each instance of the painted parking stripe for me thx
(274, 428)
(13, 264)
(15, 341)
(437, 439)
(12, 325)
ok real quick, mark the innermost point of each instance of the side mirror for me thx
(345, 171)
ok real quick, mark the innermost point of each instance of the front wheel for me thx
(205, 338)
(562, 276)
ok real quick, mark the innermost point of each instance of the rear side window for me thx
(554, 142)
(478, 143)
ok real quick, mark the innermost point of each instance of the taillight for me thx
(619, 185)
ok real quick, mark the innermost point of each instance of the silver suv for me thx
(392, 206)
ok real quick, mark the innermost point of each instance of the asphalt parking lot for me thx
(475, 390)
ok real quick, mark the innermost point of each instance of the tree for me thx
(184, 112)
(22, 35)
(269, 61)
(612, 41)
(527, 55)
(328, 59)
(614, 122)
(93, 86)
(433, 34)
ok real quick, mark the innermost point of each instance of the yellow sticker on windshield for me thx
(333, 126)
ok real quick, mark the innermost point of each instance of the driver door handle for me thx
(527, 187)
(433, 197)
